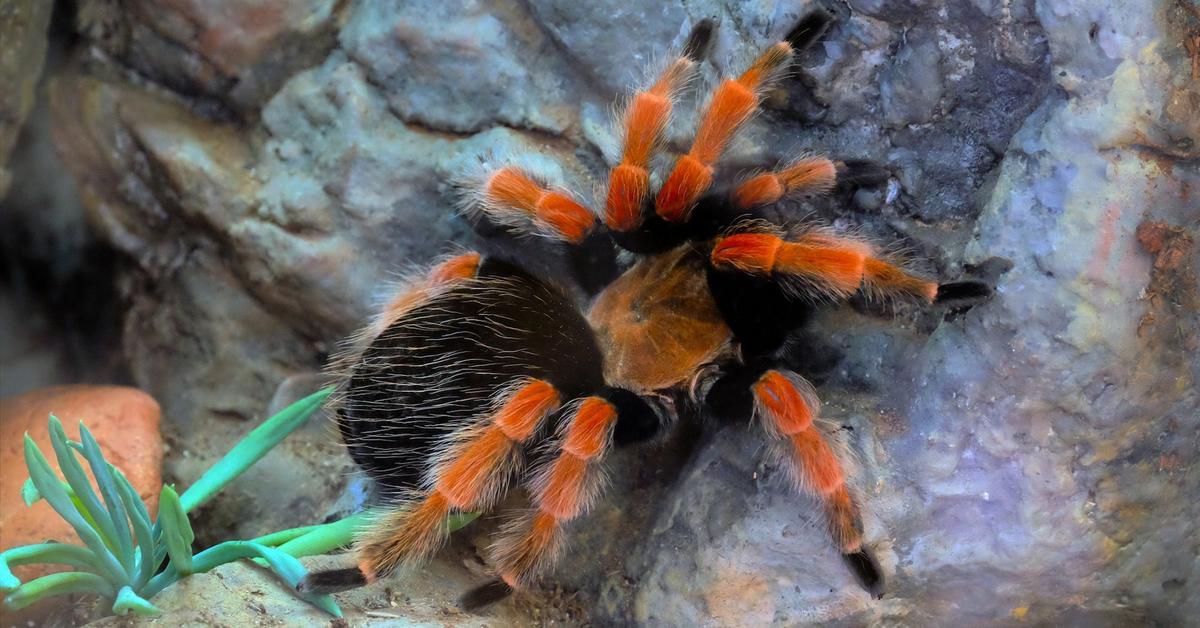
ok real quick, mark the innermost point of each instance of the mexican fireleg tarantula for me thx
(479, 363)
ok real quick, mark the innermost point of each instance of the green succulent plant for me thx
(125, 558)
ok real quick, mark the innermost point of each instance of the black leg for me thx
(638, 420)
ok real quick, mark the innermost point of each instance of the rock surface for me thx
(1032, 459)
(241, 594)
(124, 421)
(23, 25)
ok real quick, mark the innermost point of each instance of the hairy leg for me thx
(815, 263)
(645, 120)
(788, 412)
(524, 202)
(564, 487)
(733, 103)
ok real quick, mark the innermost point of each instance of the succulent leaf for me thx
(176, 530)
(48, 485)
(57, 584)
(112, 498)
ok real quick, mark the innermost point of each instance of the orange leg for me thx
(787, 406)
(512, 197)
(802, 269)
(645, 121)
(818, 264)
(733, 102)
(885, 279)
(562, 490)
(813, 175)
(472, 474)
(882, 278)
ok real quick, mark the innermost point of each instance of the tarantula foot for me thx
(809, 30)
(866, 571)
(967, 292)
(860, 173)
(332, 581)
(484, 595)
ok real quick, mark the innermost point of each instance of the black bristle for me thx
(866, 571)
(809, 30)
(332, 581)
(700, 39)
(484, 595)
(963, 291)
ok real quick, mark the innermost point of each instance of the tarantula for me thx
(478, 365)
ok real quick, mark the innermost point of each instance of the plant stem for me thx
(286, 567)
(276, 539)
(324, 538)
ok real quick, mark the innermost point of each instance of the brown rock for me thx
(124, 421)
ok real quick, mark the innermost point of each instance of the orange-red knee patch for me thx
(684, 185)
(811, 175)
(510, 187)
(456, 268)
(786, 408)
(521, 414)
(760, 190)
(644, 122)
(590, 429)
(561, 213)
(748, 252)
(628, 185)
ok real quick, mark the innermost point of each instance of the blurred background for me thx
(200, 198)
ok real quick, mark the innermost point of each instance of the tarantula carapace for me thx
(478, 373)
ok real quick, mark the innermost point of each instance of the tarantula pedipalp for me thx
(480, 373)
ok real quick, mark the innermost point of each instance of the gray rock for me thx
(911, 86)
(613, 41)
(457, 69)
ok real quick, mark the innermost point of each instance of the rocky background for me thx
(233, 182)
